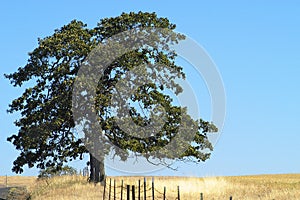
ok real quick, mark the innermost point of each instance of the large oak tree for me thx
(47, 135)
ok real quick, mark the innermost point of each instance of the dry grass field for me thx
(264, 187)
(15, 181)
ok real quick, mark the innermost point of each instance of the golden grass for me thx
(14, 181)
(263, 187)
(65, 188)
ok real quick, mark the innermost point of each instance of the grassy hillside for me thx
(264, 187)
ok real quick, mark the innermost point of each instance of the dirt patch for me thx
(3, 192)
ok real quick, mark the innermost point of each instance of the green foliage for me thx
(52, 171)
(46, 136)
(45, 128)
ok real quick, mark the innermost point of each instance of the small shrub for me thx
(52, 171)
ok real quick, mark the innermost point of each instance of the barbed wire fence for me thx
(139, 191)
(119, 190)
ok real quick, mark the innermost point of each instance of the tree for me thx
(47, 128)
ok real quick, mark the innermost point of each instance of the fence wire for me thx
(116, 191)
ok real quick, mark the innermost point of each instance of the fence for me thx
(137, 192)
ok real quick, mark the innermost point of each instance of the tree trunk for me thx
(97, 170)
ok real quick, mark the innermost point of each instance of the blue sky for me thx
(255, 45)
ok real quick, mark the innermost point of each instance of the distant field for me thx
(263, 187)
(17, 181)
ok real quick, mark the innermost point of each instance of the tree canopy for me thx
(47, 135)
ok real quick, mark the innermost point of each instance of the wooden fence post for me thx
(109, 189)
(114, 189)
(104, 189)
(145, 189)
(133, 192)
(128, 192)
(201, 196)
(139, 194)
(153, 188)
(122, 190)
(6, 181)
(178, 193)
(165, 192)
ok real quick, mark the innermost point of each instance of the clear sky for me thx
(255, 45)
